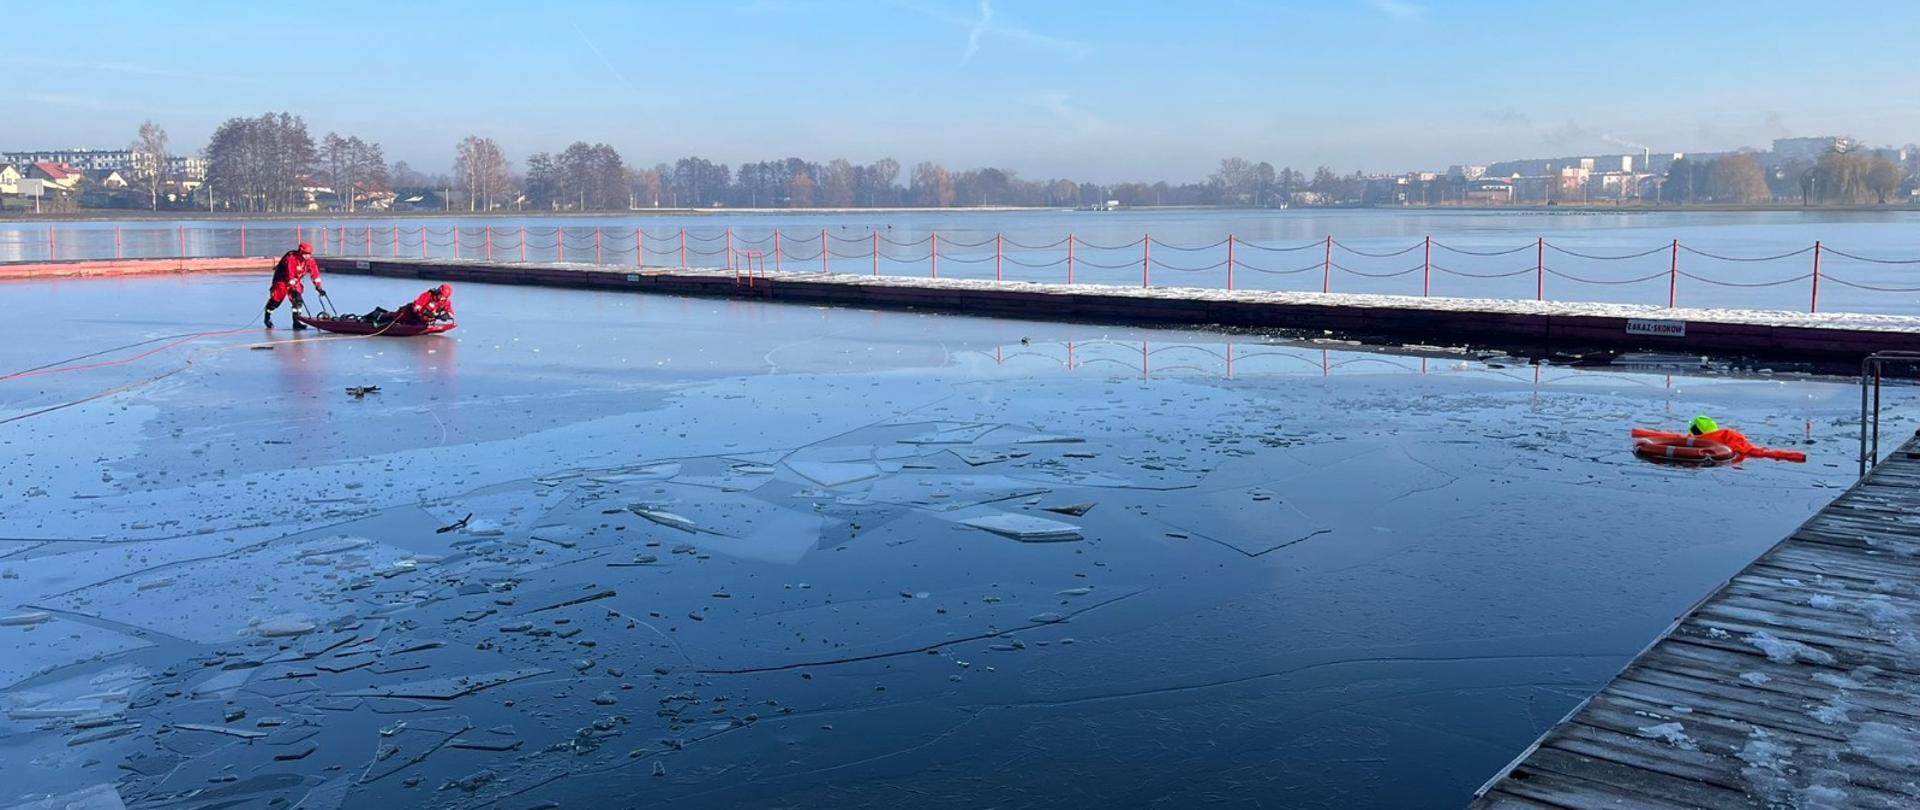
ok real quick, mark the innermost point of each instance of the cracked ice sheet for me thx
(1468, 595)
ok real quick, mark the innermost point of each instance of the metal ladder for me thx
(1871, 371)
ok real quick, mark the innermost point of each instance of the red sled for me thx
(356, 326)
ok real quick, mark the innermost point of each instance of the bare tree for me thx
(481, 169)
(150, 160)
(261, 162)
(932, 186)
(838, 188)
(800, 191)
(1737, 178)
(881, 176)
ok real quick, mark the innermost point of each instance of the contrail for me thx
(603, 57)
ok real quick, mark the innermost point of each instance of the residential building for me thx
(1808, 150)
(10, 177)
(56, 175)
(126, 161)
(109, 179)
(1467, 172)
(1488, 191)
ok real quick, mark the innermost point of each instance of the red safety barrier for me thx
(338, 239)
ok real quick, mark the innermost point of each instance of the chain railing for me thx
(1468, 270)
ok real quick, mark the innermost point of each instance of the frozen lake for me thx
(1869, 260)
(733, 554)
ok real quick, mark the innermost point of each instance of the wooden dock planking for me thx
(1845, 586)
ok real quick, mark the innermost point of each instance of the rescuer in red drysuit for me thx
(436, 304)
(289, 276)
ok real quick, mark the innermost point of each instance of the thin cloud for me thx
(1508, 115)
(1079, 121)
(128, 69)
(1400, 9)
(982, 28)
(978, 30)
(87, 103)
(1571, 134)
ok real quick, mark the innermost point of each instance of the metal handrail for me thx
(1870, 374)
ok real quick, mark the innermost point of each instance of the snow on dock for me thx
(1797, 684)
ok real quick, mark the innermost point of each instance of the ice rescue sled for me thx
(348, 325)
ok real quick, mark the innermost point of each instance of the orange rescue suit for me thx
(1729, 437)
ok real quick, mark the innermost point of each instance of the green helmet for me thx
(1703, 424)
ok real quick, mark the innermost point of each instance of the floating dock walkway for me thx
(1833, 342)
(1796, 685)
(1827, 341)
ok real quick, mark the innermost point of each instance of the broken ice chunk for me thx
(1026, 528)
(1672, 734)
(282, 626)
(664, 517)
(24, 619)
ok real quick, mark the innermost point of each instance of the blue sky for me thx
(1107, 90)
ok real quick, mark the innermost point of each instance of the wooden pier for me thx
(1795, 685)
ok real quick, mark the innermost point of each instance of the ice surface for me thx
(855, 640)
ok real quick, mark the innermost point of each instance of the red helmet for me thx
(446, 291)
(305, 248)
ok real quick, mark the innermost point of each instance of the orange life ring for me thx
(1684, 450)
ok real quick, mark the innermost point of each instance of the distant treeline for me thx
(272, 163)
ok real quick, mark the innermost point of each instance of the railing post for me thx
(560, 243)
(1230, 287)
(876, 254)
(1426, 271)
(523, 243)
(1069, 264)
(53, 245)
(369, 240)
(299, 234)
(1673, 276)
(683, 247)
(396, 241)
(777, 263)
(1540, 269)
(183, 241)
(489, 243)
(999, 252)
(118, 254)
(598, 256)
(326, 240)
(1864, 365)
(826, 268)
(1146, 261)
(934, 252)
(1815, 305)
(731, 261)
(639, 247)
(243, 237)
(456, 240)
(1326, 268)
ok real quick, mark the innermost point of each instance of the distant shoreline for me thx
(1590, 209)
